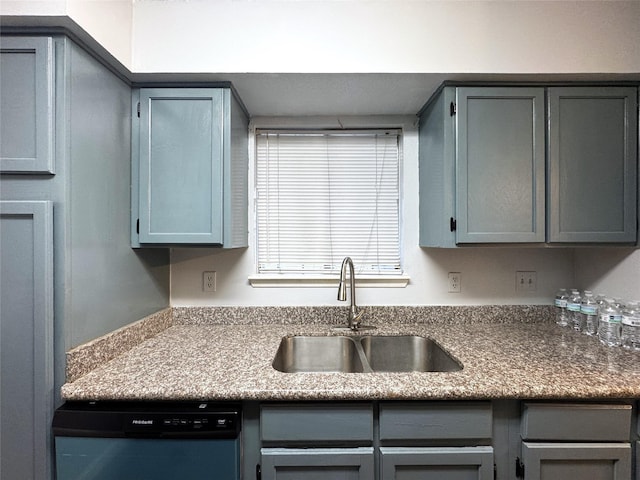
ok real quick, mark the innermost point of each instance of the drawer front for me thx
(435, 421)
(569, 461)
(317, 423)
(317, 463)
(576, 422)
(424, 463)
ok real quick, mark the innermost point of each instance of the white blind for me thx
(325, 195)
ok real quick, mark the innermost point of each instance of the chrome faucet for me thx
(354, 316)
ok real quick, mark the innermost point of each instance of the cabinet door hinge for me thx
(138, 109)
(519, 468)
(453, 224)
(452, 109)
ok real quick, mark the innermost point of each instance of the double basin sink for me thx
(362, 354)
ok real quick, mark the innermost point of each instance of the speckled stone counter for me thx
(214, 354)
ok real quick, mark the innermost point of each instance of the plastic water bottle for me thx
(589, 313)
(609, 324)
(561, 307)
(630, 335)
(573, 308)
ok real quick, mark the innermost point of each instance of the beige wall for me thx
(109, 22)
(476, 36)
(387, 36)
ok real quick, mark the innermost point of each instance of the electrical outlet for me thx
(526, 281)
(209, 281)
(455, 282)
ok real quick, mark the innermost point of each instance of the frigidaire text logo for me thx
(141, 422)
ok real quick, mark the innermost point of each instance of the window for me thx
(324, 195)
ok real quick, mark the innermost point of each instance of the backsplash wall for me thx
(488, 277)
(609, 271)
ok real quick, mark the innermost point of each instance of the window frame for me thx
(368, 123)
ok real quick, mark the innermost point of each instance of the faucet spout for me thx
(354, 316)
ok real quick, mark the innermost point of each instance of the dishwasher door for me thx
(147, 441)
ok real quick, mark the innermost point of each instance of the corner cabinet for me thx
(497, 165)
(64, 213)
(189, 168)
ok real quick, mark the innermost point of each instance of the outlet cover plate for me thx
(455, 282)
(526, 282)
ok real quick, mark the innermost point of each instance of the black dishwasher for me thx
(147, 441)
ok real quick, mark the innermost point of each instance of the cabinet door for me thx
(26, 105)
(437, 463)
(500, 165)
(577, 461)
(317, 464)
(592, 164)
(26, 339)
(180, 166)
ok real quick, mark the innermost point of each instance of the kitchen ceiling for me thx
(309, 94)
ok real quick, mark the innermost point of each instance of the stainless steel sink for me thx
(317, 354)
(407, 353)
(373, 353)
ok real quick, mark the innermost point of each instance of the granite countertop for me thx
(507, 359)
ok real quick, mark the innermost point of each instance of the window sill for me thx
(329, 281)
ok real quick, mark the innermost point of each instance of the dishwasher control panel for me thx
(148, 419)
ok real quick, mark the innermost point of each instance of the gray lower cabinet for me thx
(436, 440)
(637, 457)
(318, 463)
(441, 440)
(576, 441)
(413, 440)
(576, 461)
(26, 338)
(497, 165)
(189, 168)
(314, 441)
(436, 463)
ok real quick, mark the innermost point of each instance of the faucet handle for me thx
(355, 321)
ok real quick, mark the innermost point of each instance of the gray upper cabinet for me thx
(592, 164)
(500, 165)
(491, 173)
(482, 166)
(190, 168)
(27, 102)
